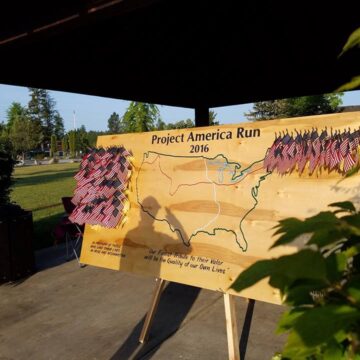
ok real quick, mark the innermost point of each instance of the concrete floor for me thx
(67, 312)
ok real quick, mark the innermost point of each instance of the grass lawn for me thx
(40, 188)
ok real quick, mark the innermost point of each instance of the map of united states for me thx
(199, 195)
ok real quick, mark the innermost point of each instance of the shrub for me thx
(320, 283)
(6, 168)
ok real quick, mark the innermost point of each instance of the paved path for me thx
(64, 312)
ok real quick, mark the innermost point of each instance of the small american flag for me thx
(102, 182)
(334, 152)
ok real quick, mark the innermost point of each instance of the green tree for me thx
(293, 107)
(41, 109)
(267, 110)
(312, 105)
(160, 125)
(34, 109)
(185, 124)
(59, 129)
(140, 117)
(212, 118)
(53, 147)
(92, 137)
(82, 141)
(16, 115)
(48, 114)
(65, 144)
(335, 100)
(15, 111)
(4, 134)
(115, 124)
(182, 124)
(72, 143)
(25, 135)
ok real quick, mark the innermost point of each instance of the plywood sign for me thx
(203, 201)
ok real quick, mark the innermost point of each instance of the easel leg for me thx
(159, 286)
(231, 327)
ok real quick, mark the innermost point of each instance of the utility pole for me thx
(74, 120)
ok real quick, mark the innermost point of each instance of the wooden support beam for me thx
(202, 116)
(159, 286)
(231, 327)
(230, 316)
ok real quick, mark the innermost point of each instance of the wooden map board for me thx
(190, 221)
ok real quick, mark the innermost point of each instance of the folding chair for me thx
(73, 233)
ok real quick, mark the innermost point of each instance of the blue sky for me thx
(93, 111)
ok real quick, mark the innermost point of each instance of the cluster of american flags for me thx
(313, 149)
(102, 181)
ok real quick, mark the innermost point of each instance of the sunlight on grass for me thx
(40, 189)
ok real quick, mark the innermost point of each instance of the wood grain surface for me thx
(201, 218)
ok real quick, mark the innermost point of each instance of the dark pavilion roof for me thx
(191, 53)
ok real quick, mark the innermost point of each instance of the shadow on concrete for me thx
(50, 257)
(44, 259)
(14, 283)
(44, 230)
(175, 303)
(176, 300)
(244, 337)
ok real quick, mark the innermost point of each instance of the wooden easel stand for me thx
(230, 317)
(159, 286)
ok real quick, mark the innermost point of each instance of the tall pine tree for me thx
(59, 129)
(15, 111)
(114, 124)
(72, 143)
(82, 141)
(41, 109)
(65, 144)
(140, 117)
(34, 106)
(47, 114)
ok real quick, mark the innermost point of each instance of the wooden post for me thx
(202, 116)
(231, 327)
(230, 317)
(159, 286)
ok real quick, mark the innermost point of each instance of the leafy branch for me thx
(320, 283)
(352, 43)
